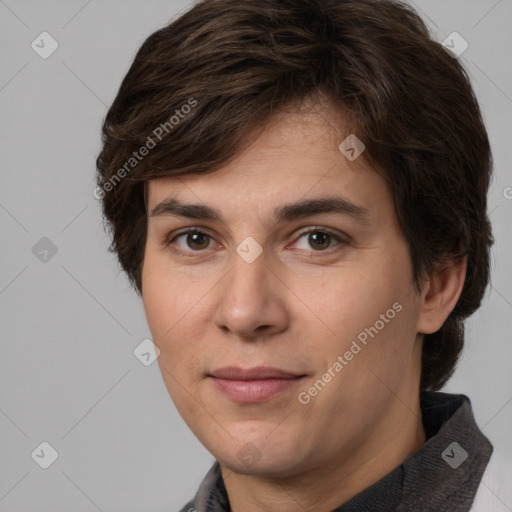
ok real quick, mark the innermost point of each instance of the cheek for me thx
(348, 306)
(172, 304)
(157, 305)
(342, 302)
(167, 296)
(170, 326)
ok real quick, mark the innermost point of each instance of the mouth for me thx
(253, 384)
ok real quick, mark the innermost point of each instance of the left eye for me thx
(197, 240)
(319, 238)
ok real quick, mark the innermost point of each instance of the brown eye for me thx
(319, 240)
(193, 242)
(197, 240)
(190, 241)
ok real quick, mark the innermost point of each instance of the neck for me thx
(345, 475)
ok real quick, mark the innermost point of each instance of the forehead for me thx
(295, 157)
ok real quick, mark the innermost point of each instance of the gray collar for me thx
(443, 474)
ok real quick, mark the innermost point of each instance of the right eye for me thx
(194, 239)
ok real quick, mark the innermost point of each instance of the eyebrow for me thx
(286, 213)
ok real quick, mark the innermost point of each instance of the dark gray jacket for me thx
(444, 475)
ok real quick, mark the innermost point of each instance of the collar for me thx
(443, 474)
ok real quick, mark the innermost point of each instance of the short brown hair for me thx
(404, 94)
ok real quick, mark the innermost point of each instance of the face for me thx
(317, 301)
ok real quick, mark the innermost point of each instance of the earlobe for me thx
(440, 295)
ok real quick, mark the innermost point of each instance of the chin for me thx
(261, 457)
(266, 466)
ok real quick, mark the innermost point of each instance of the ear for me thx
(440, 294)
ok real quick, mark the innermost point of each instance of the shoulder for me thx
(189, 507)
(494, 493)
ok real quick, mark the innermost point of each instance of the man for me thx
(298, 191)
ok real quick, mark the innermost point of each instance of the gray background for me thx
(68, 375)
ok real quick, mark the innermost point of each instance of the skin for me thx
(298, 307)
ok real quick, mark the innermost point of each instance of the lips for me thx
(257, 373)
(253, 384)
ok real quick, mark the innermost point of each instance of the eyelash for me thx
(342, 240)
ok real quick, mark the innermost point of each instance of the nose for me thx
(252, 300)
